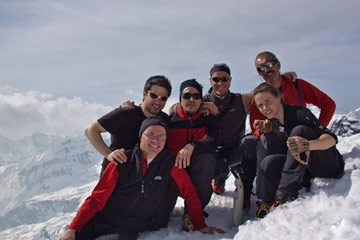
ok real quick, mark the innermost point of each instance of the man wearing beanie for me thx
(192, 139)
(124, 123)
(233, 146)
(139, 194)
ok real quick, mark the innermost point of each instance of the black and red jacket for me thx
(197, 129)
(128, 195)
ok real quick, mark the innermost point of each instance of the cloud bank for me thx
(24, 113)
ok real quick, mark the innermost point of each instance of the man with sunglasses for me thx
(234, 147)
(124, 123)
(192, 139)
(298, 92)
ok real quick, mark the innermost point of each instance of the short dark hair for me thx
(262, 54)
(158, 80)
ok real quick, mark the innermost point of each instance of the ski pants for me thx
(278, 173)
(201, 172)
(244, 156)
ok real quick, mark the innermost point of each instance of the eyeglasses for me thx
(268, 64)
(191, 95)
(152, 136)
(156, 96)
(223, 79)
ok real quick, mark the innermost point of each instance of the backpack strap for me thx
(298, 93)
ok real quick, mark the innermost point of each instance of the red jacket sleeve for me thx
(96, 201)
(188, 192)
(312, 95)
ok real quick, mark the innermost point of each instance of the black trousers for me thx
(201, 172)
(241, 156)
(278, 173)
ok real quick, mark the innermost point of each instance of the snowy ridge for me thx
(45, 179)
(45, 166)
(347, 125)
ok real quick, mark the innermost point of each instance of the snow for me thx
(44, 180)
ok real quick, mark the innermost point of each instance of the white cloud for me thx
(24, 113)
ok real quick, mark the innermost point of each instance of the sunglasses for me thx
(223, 79)
(152, 136)
(191, 95)
(156, 96)
(268, 64)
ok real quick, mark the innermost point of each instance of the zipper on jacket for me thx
(142, 186)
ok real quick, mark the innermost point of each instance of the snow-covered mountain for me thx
(35, 170)
(347, 124)
(44, 179)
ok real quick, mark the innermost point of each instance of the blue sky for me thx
(103, 51)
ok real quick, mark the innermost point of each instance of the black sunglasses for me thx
(268, 64)
(223, 79)
(191, 95)
(156, 96)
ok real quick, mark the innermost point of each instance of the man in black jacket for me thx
(234, 146)
(139, 194)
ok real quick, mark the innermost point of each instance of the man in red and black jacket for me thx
(139, 194)
(192, 139)
(298, 92)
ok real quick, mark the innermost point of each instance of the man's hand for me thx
(208, 108)
(128, 104)
(117, 156)
(68, 235)
(211, 230)
(264, 126)
(291, 75)
(184, 155)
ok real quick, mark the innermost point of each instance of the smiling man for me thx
(124, 123)
(192, 139)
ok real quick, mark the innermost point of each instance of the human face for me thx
(191, 105)
(152, 141)
(220, 88)
(270, 74)
(269, 105)
(152, 106)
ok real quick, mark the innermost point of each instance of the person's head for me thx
(268, 100)
(268, 67)
(220, 79)
(157, 90)
(152, 136)
(190, 96)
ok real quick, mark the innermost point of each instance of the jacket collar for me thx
(186, 116)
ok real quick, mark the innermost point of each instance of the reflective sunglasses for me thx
(268, 64)
(223, 79)
(156, 96)
(189, 95)
(152, 136)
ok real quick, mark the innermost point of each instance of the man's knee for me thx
(205, 161)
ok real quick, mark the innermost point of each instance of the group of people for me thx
(154, 157)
